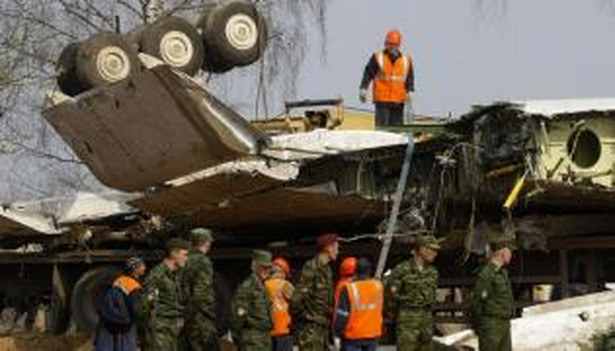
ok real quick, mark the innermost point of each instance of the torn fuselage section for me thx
(570, 145)
(516, 162)
(302, 183)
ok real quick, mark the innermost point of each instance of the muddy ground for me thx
(40, 342)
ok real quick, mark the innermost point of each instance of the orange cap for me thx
(393, 38)
(348, 267)
(283, 264)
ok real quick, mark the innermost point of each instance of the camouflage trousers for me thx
(494, 334)
(313, 337)
(164, 335)
(415, 330)
(201, 334)
(255, 340)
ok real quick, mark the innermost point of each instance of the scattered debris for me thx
(569, 324)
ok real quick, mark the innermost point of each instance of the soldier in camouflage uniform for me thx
(251, 308)
(492, 304)
(312, 303)
(200, 332)
(412, 296)
(162, 307)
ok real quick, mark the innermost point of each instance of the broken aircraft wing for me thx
(158, 126)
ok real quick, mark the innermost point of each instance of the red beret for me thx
(325, 240)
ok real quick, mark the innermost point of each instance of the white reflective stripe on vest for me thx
(406, 62)
(358, 306)
(392, 78)
(380, 60)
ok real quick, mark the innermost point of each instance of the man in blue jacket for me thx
(117, 310)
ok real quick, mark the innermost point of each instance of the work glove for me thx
(363, 95)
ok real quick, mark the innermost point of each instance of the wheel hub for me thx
(176, 48)
(242, 32)
(113, 64)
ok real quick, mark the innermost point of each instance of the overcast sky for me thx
(466, 54)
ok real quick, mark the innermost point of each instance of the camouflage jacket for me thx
(411, 288)
(162, 294)
(250, 307)
(313, 298)
(198, 284)
(492, 295)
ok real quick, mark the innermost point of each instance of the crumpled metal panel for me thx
(553, 108)
(16, 222)
(244, 201)
(156, 127)
(291, 208)
(211, 192)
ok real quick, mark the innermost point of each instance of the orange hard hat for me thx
(393, 38)
(348, 267)
(283, 264)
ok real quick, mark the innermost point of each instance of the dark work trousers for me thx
(389, 114)
(360, 345)
(283, 343)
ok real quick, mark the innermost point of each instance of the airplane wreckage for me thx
(535, 169)
(177, 157)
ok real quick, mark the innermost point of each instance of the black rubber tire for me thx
(217, 43)
(151, 38)
(66, 71)
(205, 15)
(88, 51)
(212, 62)
(84, 294)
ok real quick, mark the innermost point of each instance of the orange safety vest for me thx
(279, 306)
(365, 319)
(390, 81)
(127, 284)
(338, 289)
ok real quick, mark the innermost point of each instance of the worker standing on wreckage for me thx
(392, 74)
(312, 303)
(250, 318)
(201, 331)
(492, 304)
(412, 296)
(162, 305)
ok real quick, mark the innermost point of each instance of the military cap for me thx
(325, 240)
(262, 258)
(177, 244)
(429, 242)
(201, 234)
(502, 243)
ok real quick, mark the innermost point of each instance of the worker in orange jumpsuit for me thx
(392, 74)
(348, 269)
(280, 291)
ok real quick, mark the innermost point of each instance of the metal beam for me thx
(399, 194)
